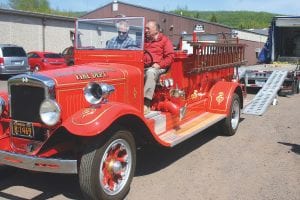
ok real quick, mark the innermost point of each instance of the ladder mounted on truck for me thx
(266, 94)
(215, 56)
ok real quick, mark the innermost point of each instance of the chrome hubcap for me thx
(114, 166)
(235, 114)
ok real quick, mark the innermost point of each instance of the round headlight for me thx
(50, 112)
(2, 105)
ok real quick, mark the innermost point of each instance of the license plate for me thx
(22, 129)
(260, 83)
(17, 63)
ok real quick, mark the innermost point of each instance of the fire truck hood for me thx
(88, 72)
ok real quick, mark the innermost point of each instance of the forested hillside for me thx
(236, 19)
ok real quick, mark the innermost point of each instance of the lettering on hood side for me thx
(91, 75)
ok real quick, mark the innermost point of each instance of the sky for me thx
(285, 7)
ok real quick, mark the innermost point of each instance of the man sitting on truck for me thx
(161, 49)
(123, 40)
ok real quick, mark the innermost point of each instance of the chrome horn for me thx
(96, 93)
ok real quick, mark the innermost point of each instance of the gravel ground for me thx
(262, 162)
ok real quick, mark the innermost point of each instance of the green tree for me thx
(30, 5)
(213, 18)
(235, 19)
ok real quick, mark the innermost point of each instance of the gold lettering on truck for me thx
(92, 75)
(83, 76)
(99, 75)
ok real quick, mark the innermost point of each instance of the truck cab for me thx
(88, 119)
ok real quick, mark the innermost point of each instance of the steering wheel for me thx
(132, 45)
(151, 59)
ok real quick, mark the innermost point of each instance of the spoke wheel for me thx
(231, 123)
(115, 167)
(235, 114)
(107, 166)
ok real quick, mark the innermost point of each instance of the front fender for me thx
(94, 120)
(220, 96)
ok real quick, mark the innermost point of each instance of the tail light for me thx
(1, 61)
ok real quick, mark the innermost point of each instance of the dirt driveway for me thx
(262, 161)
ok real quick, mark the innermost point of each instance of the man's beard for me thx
(122, 37)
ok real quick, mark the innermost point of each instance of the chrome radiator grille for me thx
(25, 102)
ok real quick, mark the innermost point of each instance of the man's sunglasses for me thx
(122, 32)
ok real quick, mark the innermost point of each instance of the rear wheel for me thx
(297, 86)
(36, 68)
(107, 171)
(231, 123)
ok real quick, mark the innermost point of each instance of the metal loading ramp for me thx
(266, 94)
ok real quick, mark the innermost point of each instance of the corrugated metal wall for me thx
(165, 20)
(179, 24)
(35, 32)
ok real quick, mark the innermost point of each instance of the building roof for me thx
(287, 16)
(263, 31)
(164, 12)
(36, 14)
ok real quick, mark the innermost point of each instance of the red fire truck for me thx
(88, 119)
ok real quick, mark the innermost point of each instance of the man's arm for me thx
(109, 44)
(168, 54)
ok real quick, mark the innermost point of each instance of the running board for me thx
(191, 128)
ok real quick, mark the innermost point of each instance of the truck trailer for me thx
(281, 52)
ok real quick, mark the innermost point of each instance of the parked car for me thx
(13, 59)
(68, 54)
(45, 60)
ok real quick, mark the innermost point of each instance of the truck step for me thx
(189, 129)
(266, 94)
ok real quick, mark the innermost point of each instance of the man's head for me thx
(151, 29)
(123, 28)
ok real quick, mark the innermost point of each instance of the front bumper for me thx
(34, 163)
(13, 71)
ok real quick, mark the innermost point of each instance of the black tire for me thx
(297, 89)
(281, 93)
(231, 123)
(106, 170)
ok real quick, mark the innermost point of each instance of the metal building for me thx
(173, 25)
(44, 32)
(36, 31)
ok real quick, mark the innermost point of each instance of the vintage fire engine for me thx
(88, 119)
